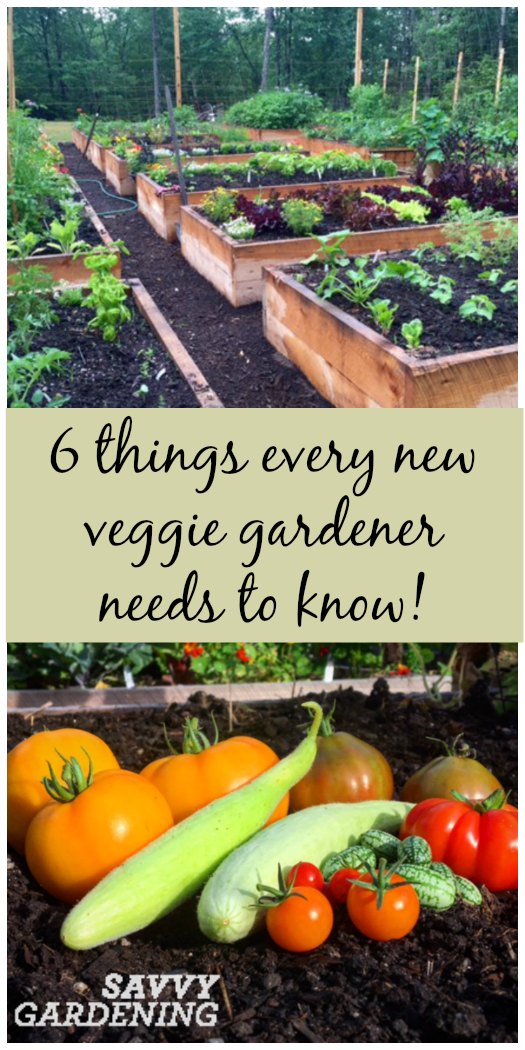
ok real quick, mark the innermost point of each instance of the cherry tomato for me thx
(478, 840)
(70, 846)
(450, 773)
(27, 764)
(340, 884)
(306, 874)
(396, 917)
(345, 769)
(301, 924)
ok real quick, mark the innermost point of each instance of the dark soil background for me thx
(205, 181)
(445, 332)
(454, 979)
(227, 344)
(110, 375)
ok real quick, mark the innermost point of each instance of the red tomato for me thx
(478, 840)
(301, 924)
(306, 874)
(396, 917)
(340, 884)
(345, 769)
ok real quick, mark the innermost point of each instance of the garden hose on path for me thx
(131, 205)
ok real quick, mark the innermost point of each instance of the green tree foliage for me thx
(100, 57)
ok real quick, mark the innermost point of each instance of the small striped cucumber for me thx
(467, 891)
(227, 909)
(435, 889)
(353, 857)
(382, 843)
(415, 850)
(173, 867)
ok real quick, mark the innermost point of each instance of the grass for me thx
(57, 130)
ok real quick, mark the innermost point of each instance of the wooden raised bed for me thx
(403, 156)
(118, 176)
(162, 209)
(79, 139)
(97, 155)
(235, 268)
(67, 267)
(354, 367)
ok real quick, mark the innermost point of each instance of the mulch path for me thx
(454, 979)
(227, 344)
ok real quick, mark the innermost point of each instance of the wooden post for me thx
(416, 85)
(499, 74)
(358, 66)
(175, 144)
(385, 76)
(457, 82)
(176, 41)
(11, 59)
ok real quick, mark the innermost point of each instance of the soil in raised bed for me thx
(227, 344)
(444, 332)
(454, 979)
(109, 375)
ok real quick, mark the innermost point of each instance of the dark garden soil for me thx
(227, 344)
(330, 224)
(445, 332)
(452, 980)
(135, 370)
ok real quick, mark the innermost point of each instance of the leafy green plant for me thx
(510, 288)
(410, 211)
(412, 333)
(219, 205)
(477, 308)
(107, 295)
(382, 313)
(29, 307)
(276, 109)
(302, 216)
(444, 290)
(240, 229)
(23, 244)
(330, 251)
(69, 296)
(64, 234)
(23, 374)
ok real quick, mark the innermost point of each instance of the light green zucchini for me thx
(173, 867)
(435, 889)
(226, 909)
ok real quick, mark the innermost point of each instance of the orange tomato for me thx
(70, 846)
(191, 781)
(301, 923)
(394, 918)
(27, 764)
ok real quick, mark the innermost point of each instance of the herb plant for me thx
(477, 308)
(412, 332)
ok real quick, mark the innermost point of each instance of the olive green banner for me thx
(263, 524)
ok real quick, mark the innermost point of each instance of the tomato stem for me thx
(496, 800)
(74, 779)
(273, 897)
(381, 880)
(194, 739)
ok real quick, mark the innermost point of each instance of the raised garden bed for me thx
(132, 372)
(235, 268)
(355, 367)
(162, 207)
(97, 155)
(118, 175)
(67, 267)
(453, 979)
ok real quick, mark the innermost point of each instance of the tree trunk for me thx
(268, 14)
(502, 21)
(155, 57)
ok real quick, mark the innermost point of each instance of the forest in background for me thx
(106, 58)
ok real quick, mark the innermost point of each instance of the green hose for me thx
(131, 205)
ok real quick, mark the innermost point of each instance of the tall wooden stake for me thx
(358, 66)
(416, 86)
(11, 59)
(385, 76)
(457, 82)
(176, 42)
(499, 74)
(175, 144)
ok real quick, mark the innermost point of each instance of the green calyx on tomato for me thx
(273, 896)
(194, 740)
(74, 779)
(380, 881)
(495, 801)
